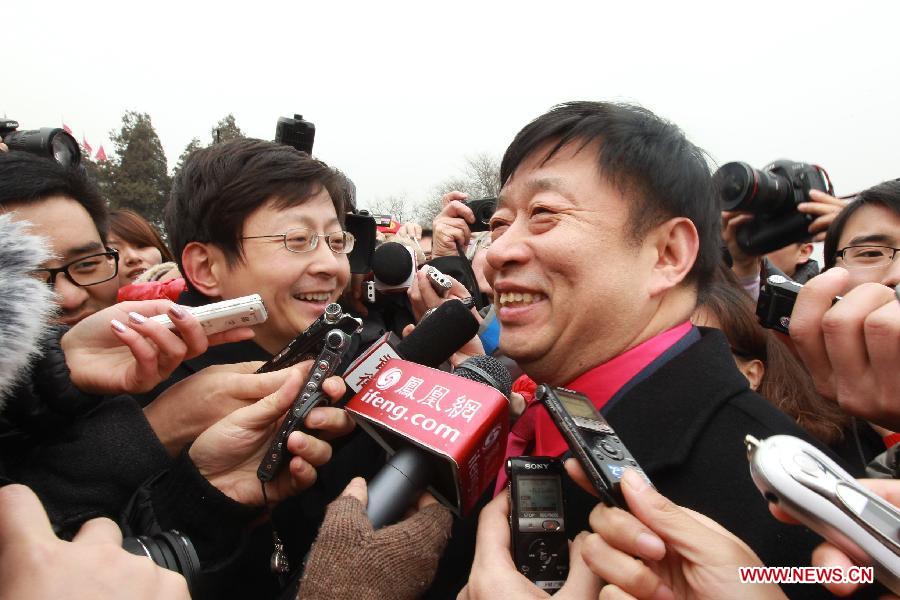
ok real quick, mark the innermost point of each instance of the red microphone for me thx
(444, 432)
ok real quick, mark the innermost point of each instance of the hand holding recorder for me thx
(682, 554)
(229, 453)
(494, 574)
(195, 403)
(120, 349)
(593, 442)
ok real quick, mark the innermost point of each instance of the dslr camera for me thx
(49, 142)
(772, 195)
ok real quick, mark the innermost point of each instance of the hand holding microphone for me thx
(406, 554)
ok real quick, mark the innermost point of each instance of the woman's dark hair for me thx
(886, 194)
(786, 384)
(135, 230)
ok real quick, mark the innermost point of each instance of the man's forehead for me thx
(533, 185)
(540, 172)
(874, 224)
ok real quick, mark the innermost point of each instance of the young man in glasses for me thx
(249, 217)
(69, 213)
(852, 347)
(256, 217)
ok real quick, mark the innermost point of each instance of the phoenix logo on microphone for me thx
(389, 378)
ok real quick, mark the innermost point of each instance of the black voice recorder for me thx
(592, 440)
(337, 343)
(537, 521)
(310, 341)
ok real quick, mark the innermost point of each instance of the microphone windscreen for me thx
(392, 263)
(487, 370)
(28, 303)
(437, 337)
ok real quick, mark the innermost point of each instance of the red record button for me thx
(551, 525)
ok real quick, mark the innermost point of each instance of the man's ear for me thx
(676, 244)
(205, 267)
(806, 251)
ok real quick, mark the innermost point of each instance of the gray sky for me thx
(401, 92)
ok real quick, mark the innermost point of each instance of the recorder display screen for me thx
(578, 407)
(538, 496)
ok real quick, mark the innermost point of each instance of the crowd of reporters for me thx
(609, 268)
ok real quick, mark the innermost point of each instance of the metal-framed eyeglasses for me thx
(85, 271)
(861, 257)
(302, 240)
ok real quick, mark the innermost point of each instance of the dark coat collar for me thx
(677, 402)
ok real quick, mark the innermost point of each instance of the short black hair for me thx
(886, 194)
(27, 179)
(218, 187)
(649, 159)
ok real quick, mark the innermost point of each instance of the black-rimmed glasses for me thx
(84, 271)
(867, 256)
(301, 240)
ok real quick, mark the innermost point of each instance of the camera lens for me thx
(49, 142)
(170, 550)
(65, 150)
(743, 188)
(486, 210)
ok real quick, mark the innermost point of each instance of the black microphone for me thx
(433, 341)
(411, 469)
(394, 266)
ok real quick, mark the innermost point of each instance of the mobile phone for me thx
(245, 311)
(439, 282)
(592, 440)
(306, 345)
(537, 520)
(817, 492)
(777, 296)
(337, 343)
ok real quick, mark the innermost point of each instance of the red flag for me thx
(67, 129)
(87, 146)
(101, 154)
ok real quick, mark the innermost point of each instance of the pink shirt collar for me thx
(603, 381)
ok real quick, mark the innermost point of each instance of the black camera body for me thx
(296, 132)
(592, 440)
(537, 523)
(49, 142)
(772, 195)
(777, 295)
(484, 210)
